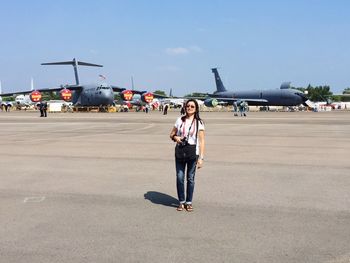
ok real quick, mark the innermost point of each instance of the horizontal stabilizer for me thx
(58, 63)
(80, 63)
(75, 63)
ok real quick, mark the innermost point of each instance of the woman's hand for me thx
(200, 163)
(177, 139)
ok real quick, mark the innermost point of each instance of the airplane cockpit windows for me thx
(103, 88)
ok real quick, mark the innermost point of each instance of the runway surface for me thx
(99, 187)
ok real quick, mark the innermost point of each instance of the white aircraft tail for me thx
(31, 84)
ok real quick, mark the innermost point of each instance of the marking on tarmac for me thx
(146, 127)
(34, 199)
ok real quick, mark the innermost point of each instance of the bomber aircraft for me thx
(285, 96)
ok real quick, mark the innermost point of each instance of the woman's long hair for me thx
(196, 113)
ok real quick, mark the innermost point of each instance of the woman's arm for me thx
(201, 148)
(173, 135)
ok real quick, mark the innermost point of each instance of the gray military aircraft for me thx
(4, 104)
(80, 95)
(285, 96)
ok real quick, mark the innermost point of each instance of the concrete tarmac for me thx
(99, 187)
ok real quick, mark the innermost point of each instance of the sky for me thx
(167, 45)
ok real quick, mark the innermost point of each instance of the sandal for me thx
(180, 207)
(189, 208)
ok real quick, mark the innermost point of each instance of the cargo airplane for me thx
(285, 96)
(5, 104)
(87, 94)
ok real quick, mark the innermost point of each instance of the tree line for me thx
(324, 93)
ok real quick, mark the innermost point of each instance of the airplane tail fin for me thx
(31, 84)
(75, 64)
(219, 86)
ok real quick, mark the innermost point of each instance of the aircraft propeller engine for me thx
(66, 94)
(147, 97)
(127, 95)
(211, 103)
(35, 96)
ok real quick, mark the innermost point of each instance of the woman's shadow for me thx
(161, 199)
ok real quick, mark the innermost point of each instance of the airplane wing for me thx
(223, 101)
(155, 95)
(71, 87)
(158, 96)
(117, 89)
(239, 99)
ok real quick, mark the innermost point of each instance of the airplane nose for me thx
(107, 97)
(302, 97)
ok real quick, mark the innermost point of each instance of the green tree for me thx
(336, 98)
(196, 95)
(300, 88)
(346, 91)
(318, 93)
(346, 95)
(345, 98)
(117, 97)
(53, 95)
(11, 98)
(160, 92)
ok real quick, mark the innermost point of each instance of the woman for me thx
(188, 133)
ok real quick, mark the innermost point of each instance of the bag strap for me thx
(189, 129)
(188, 133)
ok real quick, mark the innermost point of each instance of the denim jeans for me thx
(180, 179)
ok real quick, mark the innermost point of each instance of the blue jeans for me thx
(180, 179)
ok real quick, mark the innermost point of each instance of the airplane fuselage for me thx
(94, 95)
(280, 97)
(24, 100)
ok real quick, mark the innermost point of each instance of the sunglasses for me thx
(190, 106)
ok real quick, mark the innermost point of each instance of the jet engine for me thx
(35, 96)
(147, 97)
(211, 102)
(66, 94)
(127, 95)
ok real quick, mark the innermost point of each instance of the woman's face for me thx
(190, 108)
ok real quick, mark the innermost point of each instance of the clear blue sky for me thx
(173, 44)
